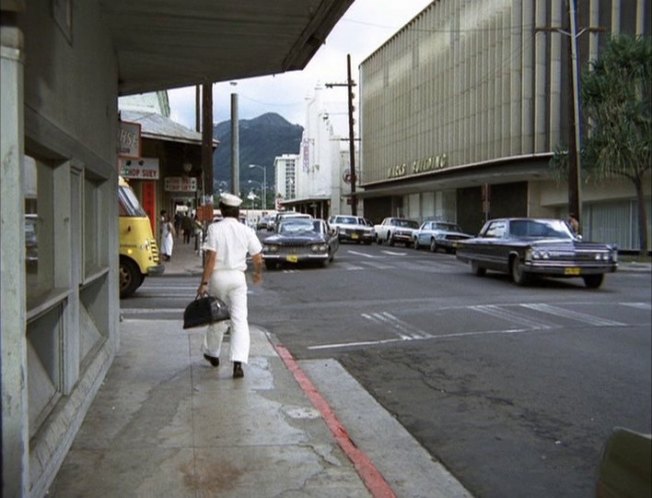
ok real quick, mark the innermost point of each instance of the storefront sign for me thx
(141, 169)
(420, 166)
(180, 184)
(129, 140)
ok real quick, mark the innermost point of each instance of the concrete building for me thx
(285, 170)
(321, 168)
(462, 109)
(63, 65)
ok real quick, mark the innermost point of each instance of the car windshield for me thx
(347, 220)
(407, 223)
(546, 229)
(448, 227)
(299, 226)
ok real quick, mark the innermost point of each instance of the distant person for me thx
(167, 238)
(161, 222)
(574, 223)
(187, 227)
(226, 247)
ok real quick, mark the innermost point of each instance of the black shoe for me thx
(212, 360)
(237, 370)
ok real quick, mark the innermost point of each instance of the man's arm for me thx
(258, 267)
(209, 266)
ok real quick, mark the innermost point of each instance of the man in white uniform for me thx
(226, 247)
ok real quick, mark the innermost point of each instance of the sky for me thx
(363, 28)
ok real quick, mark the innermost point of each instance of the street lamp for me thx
(264, 183)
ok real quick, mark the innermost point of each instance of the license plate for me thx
(571, 271)
(354, 236)
(292, 259)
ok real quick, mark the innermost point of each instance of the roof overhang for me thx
(165, 44)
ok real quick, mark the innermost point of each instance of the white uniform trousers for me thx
(231, 287)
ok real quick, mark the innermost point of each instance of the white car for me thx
(393, 230)
(352, 228)
(439, 235)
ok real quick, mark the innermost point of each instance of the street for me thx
(514, 389)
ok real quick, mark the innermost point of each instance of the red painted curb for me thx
(370, 475)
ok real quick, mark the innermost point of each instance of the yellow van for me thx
(139, 254)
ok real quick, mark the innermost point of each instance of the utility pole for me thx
(207, 140)
(350, 84)
(574, 118)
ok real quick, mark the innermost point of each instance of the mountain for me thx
(261, 140)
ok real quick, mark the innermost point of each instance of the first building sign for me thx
(129, 140)
(180, 184)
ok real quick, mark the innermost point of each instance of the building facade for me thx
(322, 167)
(63, 65)
(285, 170)
(462, 109)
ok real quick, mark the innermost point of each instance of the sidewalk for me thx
(167, 424)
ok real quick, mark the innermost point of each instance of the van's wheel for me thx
(130, 277)
(518, 275)
(593, 281)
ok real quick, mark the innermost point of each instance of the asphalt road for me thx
(513, 389)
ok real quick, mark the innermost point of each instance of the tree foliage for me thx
(617, 106)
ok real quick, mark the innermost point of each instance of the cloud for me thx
(362, 30)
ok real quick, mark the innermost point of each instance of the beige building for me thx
(461, 110)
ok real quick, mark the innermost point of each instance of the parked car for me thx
(439, 235)
(263, 222)
(300, 240)
(285, 215)
(527, 247)
(393, 230)
(352, 229)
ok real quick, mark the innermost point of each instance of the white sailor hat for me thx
(230, 200)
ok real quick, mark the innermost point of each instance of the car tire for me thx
(390, 239)
(379, 241)
(270, 265)
(519, 276)
(433, 245)
(130, 277)
(416, 245)
(593, 281)
(478, 270)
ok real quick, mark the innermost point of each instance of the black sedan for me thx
(526, 247)
(301, 240)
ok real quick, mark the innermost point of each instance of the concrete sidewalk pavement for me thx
(165, 423)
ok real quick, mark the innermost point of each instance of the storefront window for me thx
(96, 224)
(39, 237)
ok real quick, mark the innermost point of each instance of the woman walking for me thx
(167, 238)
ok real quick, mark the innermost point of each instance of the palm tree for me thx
(616, 100)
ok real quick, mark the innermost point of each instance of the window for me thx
(495, 230)
(96, 225)
(39, 236)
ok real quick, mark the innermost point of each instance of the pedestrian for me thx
(167, 238)
(161, 222)
(226, 247)
(187, 227)
(574, 223)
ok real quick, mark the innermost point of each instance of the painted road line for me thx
(510, 316)
(361, 254)
(380, 320)
(572, 315)
(392, 253)
(640, 306)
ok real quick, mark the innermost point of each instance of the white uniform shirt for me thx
(231, 240)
